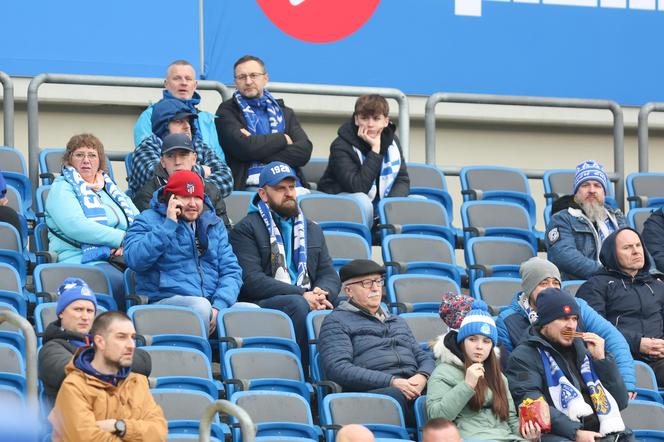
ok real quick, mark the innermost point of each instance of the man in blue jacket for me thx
(538, 274)
(283, 255)
(579, 224)
(627, 295)
(180, 252)
(364, 348)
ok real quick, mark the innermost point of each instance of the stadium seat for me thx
(496, 291)
(247, 369)
(421, 415)
(10, 280)
(498, 218)
(49, 277)
(170, 326)
(12, 367)
(184, 368)
(41, 195)
(637, 217)
(645, 189)
(572, 285)
(429, 181)
(420, 254)
(418, 293)
(559, 182)
(314, 321)
(237, 205)
(313, 171)
(129, 158)
(23, 186)
(9, 333)
(416, 216)
(12, 160)
(494, 256)
(50, 164)
(646, 383)
(425, 326)
(645, 419)
(336, 213)
(344, 247)
(381, 414)
(15, 300)
(42, 253)
(276, 413)
(12, 251)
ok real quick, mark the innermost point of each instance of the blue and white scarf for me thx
(388, 173)
(277, 252)
(569, 401)
(524, 303)
(606, 228)
(257, 126)
(93, 209)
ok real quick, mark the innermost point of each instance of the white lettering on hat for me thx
(280, 168)
(190, 187)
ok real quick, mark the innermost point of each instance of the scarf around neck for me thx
(389, 171)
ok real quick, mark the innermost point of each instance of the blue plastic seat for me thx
(421, 415)
(498, 218)
(24, 187)
(50, 163)
(12, 250)
(12, 367)
(416, 216)
(646, 383)
(12, 160)
(488, 256)
(572, 285)
(41, 195)
(430, 182)
(49, 277)
(645, 419)
(637, 217)
(344, 247)
(335, 213)
(418, 293)
(644, 189)
(496, 291)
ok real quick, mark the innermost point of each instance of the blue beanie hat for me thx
(590, 170)
(478, 321)
(552, 304)
(73, 289)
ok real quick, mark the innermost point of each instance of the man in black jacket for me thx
(255, 128)
(629, 297)
(653, 237)
(284, 259)
(76, 311)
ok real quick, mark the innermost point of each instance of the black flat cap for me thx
(360, 267)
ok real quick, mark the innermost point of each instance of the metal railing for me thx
(356, 91)
(31, 382)
(7, 109)
(644, 150)
(222, 406)
(87, 80)
(618, 124)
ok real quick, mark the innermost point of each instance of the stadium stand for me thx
(418, 293)
(335, 213)
(415, 216)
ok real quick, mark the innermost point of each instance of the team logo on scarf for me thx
(598, 397)
(190, 187)
(567, 394)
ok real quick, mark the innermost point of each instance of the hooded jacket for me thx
(448, 396)
(572, 240)
(84, 398)
(653, 237)
(360, 352)
(59, 345)
(167, 261)
(513, 323)
(527, 379)
(634, 305)
(346, 173)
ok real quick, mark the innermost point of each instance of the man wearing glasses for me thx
(255, 128)
(364, 348)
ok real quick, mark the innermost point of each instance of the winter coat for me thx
(512, 324)
(241, 150)
(360, 352)
(653, 237)
(634, 305)
(251, 243)
(346, 173)
(84, 399)
(448, 396)
(167, 261)
(58, 349)
(64, 215)
(527, 378)
(573, 243)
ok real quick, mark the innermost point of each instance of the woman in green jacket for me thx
(468, 387)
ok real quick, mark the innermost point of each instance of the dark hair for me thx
(246, 58)
(438, 423)
(180, 62)
(103, 322)
(371, 105)
(492, 379)
(85, 140)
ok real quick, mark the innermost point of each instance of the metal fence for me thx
(644, 150)
(7, 109)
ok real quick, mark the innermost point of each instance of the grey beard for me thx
(595, 211)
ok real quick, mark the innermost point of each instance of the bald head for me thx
(440, 430)
(355, 433)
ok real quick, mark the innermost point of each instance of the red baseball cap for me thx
(185, 183)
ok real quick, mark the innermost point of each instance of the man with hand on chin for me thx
(364, 348)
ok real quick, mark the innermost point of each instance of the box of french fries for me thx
(536, 411)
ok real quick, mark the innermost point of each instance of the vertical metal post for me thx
(33, 128)
(644, 148)
(221, 406)
(618, 152)
(201, 39)
(7, 109)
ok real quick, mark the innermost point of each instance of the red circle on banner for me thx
(318, 21)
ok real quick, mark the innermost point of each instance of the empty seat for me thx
(645, 189)
(637, 217)
(313, 171)
(413, 215)
(183, 409)
(498, 218)
(12, 251)
(497, 292)
(344, 247)
(646, 383)
(12, 367)
(418, 293)
(494, 256)
(429, 181)
(425, 326)
(421, 415)
(643, 415)
(181, 367)
(12, 160)
(237, 205)
(41, 195)
(335, 212)
(571, 286)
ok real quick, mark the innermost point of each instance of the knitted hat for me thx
(73, 289)
(478, 321)
(185, 183)
(590, 170)
(274, 173)
(553, 304)
(360, 267)
(453, 309)
(534, 271)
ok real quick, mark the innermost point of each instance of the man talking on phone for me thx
(180, 252)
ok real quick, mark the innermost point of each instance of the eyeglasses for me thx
(81, 156)
(254, 76)
(368, 283)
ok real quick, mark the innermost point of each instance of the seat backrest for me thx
(237, 205)
(637, 217)
(346, 245)
(12, 160)
(181, 404)
(44, 315)
(9, 278)
(421, 288)
(495, 214)
(425, 326)
(322, 207)
(561, 182)
(495, 178)
(176, 361)
(406, 248)
(50, 161)
(363, 408)
(571, 286)
(41, 237)
(14, 199)
(496, 291)
(248, 322)
(10, 238)
(316, 317)
(11, 360)
(645, 376)
(48, 277)
(41, 197)
(646, 184)
(274, 406)
(164, 319)
(643, 415)
(314, 169)
(495, 251)
(404, 211)
(425, 175)
(260, 363)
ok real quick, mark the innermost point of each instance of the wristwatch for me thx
(120, 428)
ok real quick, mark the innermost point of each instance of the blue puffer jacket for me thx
(513, 326)
(360, 352)
(164, 256)
(573, 244)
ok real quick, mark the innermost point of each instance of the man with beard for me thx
(284, 259)
(581, 222)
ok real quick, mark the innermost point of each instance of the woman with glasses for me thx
(87, 214)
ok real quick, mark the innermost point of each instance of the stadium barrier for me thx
(643, 153)
(7, 108)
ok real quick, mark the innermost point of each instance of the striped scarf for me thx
(388, 173)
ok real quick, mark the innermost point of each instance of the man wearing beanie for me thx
(173, 116)
(283, 255)
(180, 252)
(538, 274)
(76, 309)
(580, 223)
(571, 371)
(364, 348)
(627, 295)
